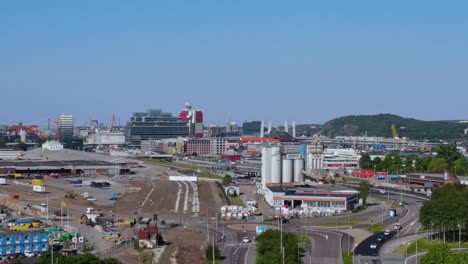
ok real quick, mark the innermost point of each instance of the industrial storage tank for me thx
(298, 167)
(266, 165)
(275, 165)
(287, 170)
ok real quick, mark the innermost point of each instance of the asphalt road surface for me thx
(409, 222)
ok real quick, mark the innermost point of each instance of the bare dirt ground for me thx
(211, 199)
(127, 255)
(187, 247)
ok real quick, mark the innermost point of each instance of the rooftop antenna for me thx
(262, 130)
(293, 129)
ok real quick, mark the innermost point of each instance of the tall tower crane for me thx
(394, 132)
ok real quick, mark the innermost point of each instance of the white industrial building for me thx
(310, 201)
(52, 145)
(283, 183)
(105, 138)
(278, 168)
(333, 159)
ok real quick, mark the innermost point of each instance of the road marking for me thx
(179, 191)
(147, 197)
(196, 201)
(247, 255)
(186, 197)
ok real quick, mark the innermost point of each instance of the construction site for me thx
(104, 204)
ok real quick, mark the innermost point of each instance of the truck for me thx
(76, 181)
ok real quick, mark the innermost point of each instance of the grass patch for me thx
(347, 257)
(389, 203)
(211, 176)
(376, 228)
(236, 200)
(352, 222)
(425, 245)
(303, 238)
(173, 164)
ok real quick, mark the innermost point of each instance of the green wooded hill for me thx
(379, 125)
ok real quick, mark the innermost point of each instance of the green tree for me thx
(447, 209)
(449, 152)
(364, 190)
(410, 163)
(227, 179)
(460, 166)
(377, 164)
(438, 165)
(365, 161)
(268, 248)
(438, 254)
(209, 253)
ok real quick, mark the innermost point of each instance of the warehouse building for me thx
(325, 200)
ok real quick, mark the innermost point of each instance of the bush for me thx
(209, 253)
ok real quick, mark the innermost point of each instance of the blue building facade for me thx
(20, 242)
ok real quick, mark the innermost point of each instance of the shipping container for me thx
(38, 188)
(36, 182)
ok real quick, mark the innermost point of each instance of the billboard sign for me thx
(260, 229)
(183, 178)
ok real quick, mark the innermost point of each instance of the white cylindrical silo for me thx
(310, 160)
(275, 165)
(287, 170)
(266, 165)
(298, 168)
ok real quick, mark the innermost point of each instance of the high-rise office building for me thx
(153, 124)
(252, 128)
(65, 127)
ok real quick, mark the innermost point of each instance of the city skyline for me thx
(308, 62)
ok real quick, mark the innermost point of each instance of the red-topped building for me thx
(194, 119)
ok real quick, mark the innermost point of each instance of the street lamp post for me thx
(349, 231)
(459, 238)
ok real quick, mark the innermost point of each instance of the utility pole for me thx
(213, 250)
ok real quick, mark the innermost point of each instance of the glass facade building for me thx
(252, 128)
(153, 124)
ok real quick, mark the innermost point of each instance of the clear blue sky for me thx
(308, 61)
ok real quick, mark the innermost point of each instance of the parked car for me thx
(387, 232)
(246, 240)
(379, 238)
(29, 254)
(373, 245)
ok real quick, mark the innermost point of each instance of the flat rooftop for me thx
(71, 155)
(320, 189)
(6, 232)
(51, 163)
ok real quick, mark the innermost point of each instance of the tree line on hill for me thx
(379, 126)
(448, 158)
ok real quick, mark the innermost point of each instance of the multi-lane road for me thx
(327, 245)
(410, 225)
